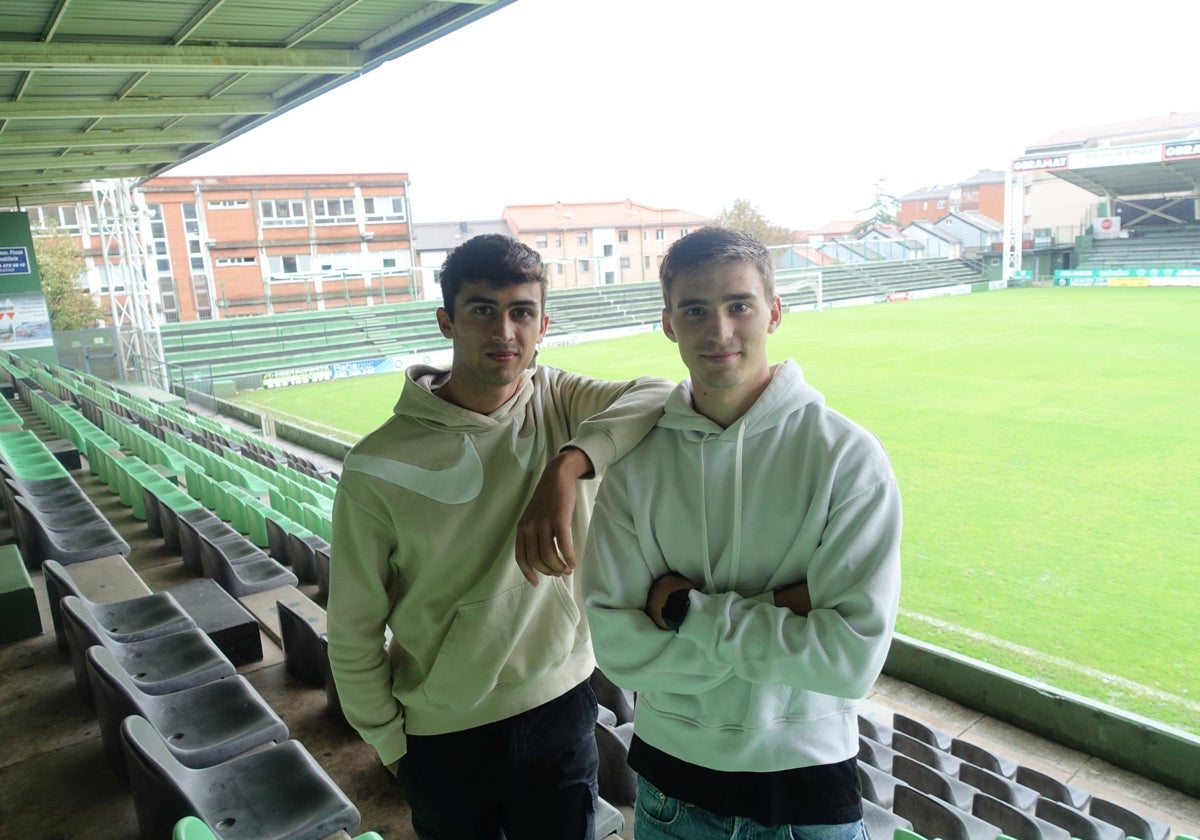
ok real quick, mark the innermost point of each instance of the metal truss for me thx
(127, 269)
(1014, 219)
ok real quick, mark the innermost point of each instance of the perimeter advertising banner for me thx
(24, 318)
(1127, 277)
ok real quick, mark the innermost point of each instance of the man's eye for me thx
(483, 311)
(693, 312)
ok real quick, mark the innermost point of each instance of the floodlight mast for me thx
(127, 267)
(1014, 219)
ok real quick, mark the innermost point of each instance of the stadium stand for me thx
(1150, 247)
(245, 352)
(935, 778)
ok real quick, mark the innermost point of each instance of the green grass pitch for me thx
(1047, 443)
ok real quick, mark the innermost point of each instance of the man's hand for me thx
(657, 597)
(544, 541)
(794, 598)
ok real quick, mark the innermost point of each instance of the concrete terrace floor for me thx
(56, 785)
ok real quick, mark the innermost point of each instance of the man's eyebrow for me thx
(733, 296)
(495, 302)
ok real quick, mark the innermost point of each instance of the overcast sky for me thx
(798, 107)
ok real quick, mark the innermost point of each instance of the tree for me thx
(745, 217)
(883, 210)
(60, 262)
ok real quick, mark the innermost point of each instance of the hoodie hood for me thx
(786, 394)
(418, 401)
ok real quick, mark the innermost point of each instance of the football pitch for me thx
(1047, 444)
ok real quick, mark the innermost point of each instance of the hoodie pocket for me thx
(511, 638)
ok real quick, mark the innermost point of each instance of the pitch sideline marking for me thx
(1083, 670)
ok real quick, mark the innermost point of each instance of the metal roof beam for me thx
(92, 160)
(20, 179)
(70, 57)
(162, 107)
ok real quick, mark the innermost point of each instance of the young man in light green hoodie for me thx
(742, 573)
(481, 701)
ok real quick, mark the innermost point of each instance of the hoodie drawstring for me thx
(736, 559)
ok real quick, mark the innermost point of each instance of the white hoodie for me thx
(791, 492)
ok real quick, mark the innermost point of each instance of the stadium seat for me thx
(615, 778)
(924, 753)
(931, 817)
(922, 732)
(159, 665)
(1052, 788)
(882, 824)
(980, 757)
(926, 779)
(609, 820)
(68, 536)
(1133, 824)
(1000, 787)
(19, 616)
(877, 786)
(202, 725)
(1079, 825)
(877, 755)
(302, 648)
(1015, 822)
(612, 696)
(125, 621)
(276, 793)
(193, 828)
(878, 732)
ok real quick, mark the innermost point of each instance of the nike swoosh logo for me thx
(458, 483)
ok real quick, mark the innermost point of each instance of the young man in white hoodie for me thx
(480, 704)
(742, 573)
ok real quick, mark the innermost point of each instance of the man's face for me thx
(495, 332)
(720, 317)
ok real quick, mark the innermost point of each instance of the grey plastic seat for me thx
(926, 754)
(302, 648)
(333, 702)
(321, 559)
(203, 725)
(931, 817)
(981, 757)
(1080, 825)
(999, 787)
(1052, 788)
(878, 732)
(877, 786)
(241, 574)
(160, 665)
(928, 780)
(609, 820)
(612, 696)
(1015, 822)
(192, 525)
(301, 552)
(88, 537)
(875, 754)
(1133, 824)
(881, 824)
(922, 732)
(614, 777)
(276, 793)
(125, 621)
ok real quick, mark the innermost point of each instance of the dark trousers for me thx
(528, 777)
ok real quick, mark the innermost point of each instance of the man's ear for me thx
(542, 331)
(668, 330)
(776, 315)
(445, 323)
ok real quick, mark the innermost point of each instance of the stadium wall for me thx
(1140, 745)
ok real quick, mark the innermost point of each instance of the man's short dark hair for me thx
(495, 259)
(713, 246)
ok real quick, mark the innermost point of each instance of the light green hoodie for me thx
(423, 543)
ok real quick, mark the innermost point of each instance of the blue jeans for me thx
(658, 816)
(531, 776)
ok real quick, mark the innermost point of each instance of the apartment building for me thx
(600, 243)
(247, 245)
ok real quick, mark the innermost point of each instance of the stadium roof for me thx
(1153, 156)
(96, 89)
(614, 214)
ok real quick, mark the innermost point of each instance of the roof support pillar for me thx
(1014, 217)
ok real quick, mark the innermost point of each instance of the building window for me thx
(282, 212)
(559, 267)
(65, 217)
(624, 262)
(683, 232)
(660, 234)
(941, 205)
(645, 262)
(608, 250)
(558, 240)
(583, 266)
(385, 208)
(227, 203)
(166, 294)
(622, 236)
(333, 211)
(539, 241)
(609, 278)
(236, 260)
(288, 264)
(581, 238)
(203, 297)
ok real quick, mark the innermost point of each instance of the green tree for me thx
(883, 210)
(60, 262)
(747, 218)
